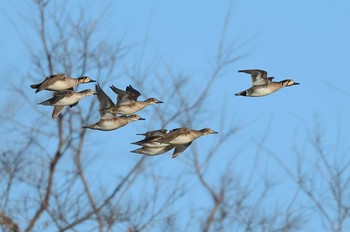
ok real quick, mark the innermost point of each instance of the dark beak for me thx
(296, 83)
(214, 132)
(142, 119)
(92, 81)
(159, 102)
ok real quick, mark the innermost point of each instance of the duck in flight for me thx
(179, 139)
(58, 82)
(65, 98)
(263, 85)
(109, 121)
(127, 102)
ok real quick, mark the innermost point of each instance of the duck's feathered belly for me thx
(60, 85)
(66, 101)
(129, 108)
(261, 91)
(111, 124)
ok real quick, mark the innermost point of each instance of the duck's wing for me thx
(35, 86)
(56, 111)
(123, 97)
(57, 96)
(52, 101)
(179, 149)
(144, 141)
(105, 102)
(48, 82)
(133, 91)
(175, 129)
(259, 77)
(59, 76)
(154, 133)
(62, 92)
(74, 104)
(172, 134)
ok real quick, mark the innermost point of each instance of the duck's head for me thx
(88, 92)
(289, 82)
(134, 117)
(208, 131)
(152, 101)
(85, 79)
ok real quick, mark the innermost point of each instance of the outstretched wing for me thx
(124, 97)
(154, 133)
(57, 96)
(172, 134)
(127, 96)
(259, 77)
(48, 81)
(62, 92)
(59, 76)
(105, 102)
(56, 111)
(133, 91)
(179, 149)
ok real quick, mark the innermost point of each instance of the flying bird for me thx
(64, 98)
(263, 85)
(109, 121)
(127, 102)
(58, 82)
(158, 142)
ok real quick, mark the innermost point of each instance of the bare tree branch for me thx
(8, 222)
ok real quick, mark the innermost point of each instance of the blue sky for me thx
(307, 41)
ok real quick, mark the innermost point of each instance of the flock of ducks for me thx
(116, 115)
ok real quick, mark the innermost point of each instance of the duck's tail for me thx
(242, 93)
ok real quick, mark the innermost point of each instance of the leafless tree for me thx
(56, 193)
(46, 172)
(322, 176)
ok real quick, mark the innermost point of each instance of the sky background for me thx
(307, 41)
